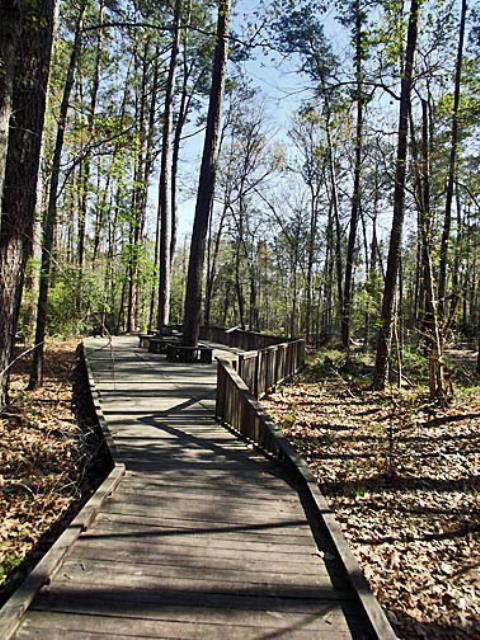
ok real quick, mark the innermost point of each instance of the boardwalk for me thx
(203, 538)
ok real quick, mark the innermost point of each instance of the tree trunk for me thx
(213, 267)
(336, 214)
(311, 260)
(442, 275)
(384, 340)
(10, 25)
(193, 296)
(238, 275)
(352, 237)
(36, 372)
(21, 170)
(164, 194)
(436, 368)
(183, 110)
(138, 199)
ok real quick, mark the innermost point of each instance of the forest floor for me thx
(402, 477)
(50, 460)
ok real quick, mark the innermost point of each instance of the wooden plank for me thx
(121, 627)
(168, 603)
(141, 578)
(178, 549)
(153, 536)
(269, 564)
(295, 533)
(197, 488)
(291, 529)
(260, 482)
(255, 576)
(274, 506)
(218, 517)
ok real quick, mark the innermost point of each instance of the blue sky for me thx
(281, 88)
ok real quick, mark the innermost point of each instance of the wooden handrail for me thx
(264, 369)
(239, 409)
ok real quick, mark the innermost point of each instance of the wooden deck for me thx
(203, 538)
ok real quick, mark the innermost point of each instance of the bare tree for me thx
(442, 277)
(384, 340)
(164, 199)
(193, 296)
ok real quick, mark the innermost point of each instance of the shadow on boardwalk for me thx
(203, 538)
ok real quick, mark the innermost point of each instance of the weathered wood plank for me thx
(161, 604)
(198, 563)
(292, 534)
(152, 536)
(140, 578)
(121, 627)
(221, 574)
(285, 508)
(217, 517)
(196, 490)
(177, 549)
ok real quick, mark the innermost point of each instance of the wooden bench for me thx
(144, 340)
(159, 344)
(164, 333)
(180, 353)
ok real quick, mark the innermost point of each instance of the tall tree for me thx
(10, 25)
(384, 340)
(447, 220)
(36, 373)
(165, 199)
(360, 47)
(22, 164)
(193, 296)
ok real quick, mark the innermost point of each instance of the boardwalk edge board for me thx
(286, 452)
(15, 607)
(107, 435)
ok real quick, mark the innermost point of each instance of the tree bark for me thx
(193, 296)
(442, 275)
(138, 198)
(22, 165)
(432, 327)
(384, 340)
(352, 237)
(36, 372)
(336, 214)
(10, 25)
(164, 195)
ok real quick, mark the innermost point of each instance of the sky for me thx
(281, 90)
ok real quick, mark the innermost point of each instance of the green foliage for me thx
(9, 564)
(415, 365)
(72, 301)
(322, 364)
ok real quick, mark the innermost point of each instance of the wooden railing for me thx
(263, 370)
(237, 407)
(267, 361)
(247, 340)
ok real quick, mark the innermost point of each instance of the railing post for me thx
(221, 390)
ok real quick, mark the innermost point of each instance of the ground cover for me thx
(402, 477)
(50, 460)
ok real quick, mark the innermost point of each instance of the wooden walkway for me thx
(203, 538)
